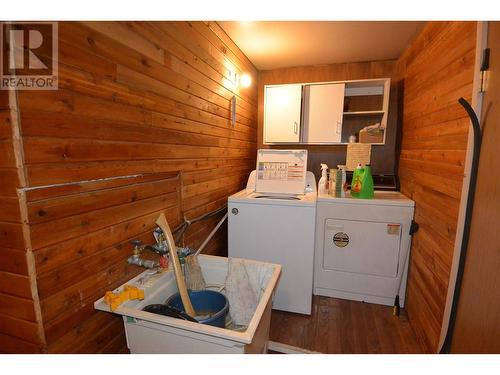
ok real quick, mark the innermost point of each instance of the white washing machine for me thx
(362, 247)
(273, 220)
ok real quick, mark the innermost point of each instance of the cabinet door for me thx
(323, 112)
(282, 113)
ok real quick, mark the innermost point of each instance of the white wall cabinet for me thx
(326, 112)
(282, 113)
(323, 113)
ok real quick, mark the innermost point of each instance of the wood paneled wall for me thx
(334, 155)
(477, 325)
(133, 98)
(140, 97)
(436, 70)
(20, 329)
(80, 238)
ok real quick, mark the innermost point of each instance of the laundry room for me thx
(249, 187)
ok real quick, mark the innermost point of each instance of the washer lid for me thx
(281, 171)
(249, 196)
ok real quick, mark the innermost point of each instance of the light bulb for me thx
(245, 80)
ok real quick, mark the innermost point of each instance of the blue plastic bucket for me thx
(206, 302)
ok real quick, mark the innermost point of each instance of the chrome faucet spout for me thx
(136, 259)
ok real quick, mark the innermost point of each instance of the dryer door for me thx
(364, 247)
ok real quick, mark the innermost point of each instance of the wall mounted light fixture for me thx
(245, 80)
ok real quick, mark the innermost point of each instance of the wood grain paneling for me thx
(436, 70)
(134, 98)
(10, 210)
(383, 156)
(5, 123)
(81, 241)
(15, 284)
(10, 182)
(13, 261)
(477, 325)
(10, 344)
(21, 308)
(20, 328)
(11, 235)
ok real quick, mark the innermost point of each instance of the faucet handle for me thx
(137, 246)
(136, 243)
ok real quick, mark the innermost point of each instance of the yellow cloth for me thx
(116, 299)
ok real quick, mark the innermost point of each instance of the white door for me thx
(323, 112)
(282, 106)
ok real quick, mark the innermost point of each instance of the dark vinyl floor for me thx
(347, 327)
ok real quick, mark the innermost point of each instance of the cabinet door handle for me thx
(295, 127)
(339, 124)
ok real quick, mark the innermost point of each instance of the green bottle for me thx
(362, 182)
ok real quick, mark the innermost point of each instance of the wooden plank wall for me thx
(135, 92)
(437, 69)
(133, 98)
(19, 326)
(332, 155)
(142, 97)
(477, 325)
(80, 238)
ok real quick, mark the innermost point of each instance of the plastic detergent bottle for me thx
(332, 181)
(341, 181)
(362, 182)
(323, 182)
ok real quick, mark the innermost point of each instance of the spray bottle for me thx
(323, 181)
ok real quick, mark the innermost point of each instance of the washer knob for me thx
(235, 211)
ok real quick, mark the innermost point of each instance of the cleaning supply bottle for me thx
(323, 182)
(332, 183)
(340, 187)
(362, 182)
(338, 183)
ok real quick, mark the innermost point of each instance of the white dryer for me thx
(362, 247)
(273, 220)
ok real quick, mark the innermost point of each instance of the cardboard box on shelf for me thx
(371, 136)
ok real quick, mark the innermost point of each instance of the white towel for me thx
(242, 291)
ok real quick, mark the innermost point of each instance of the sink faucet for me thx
(136, 257)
